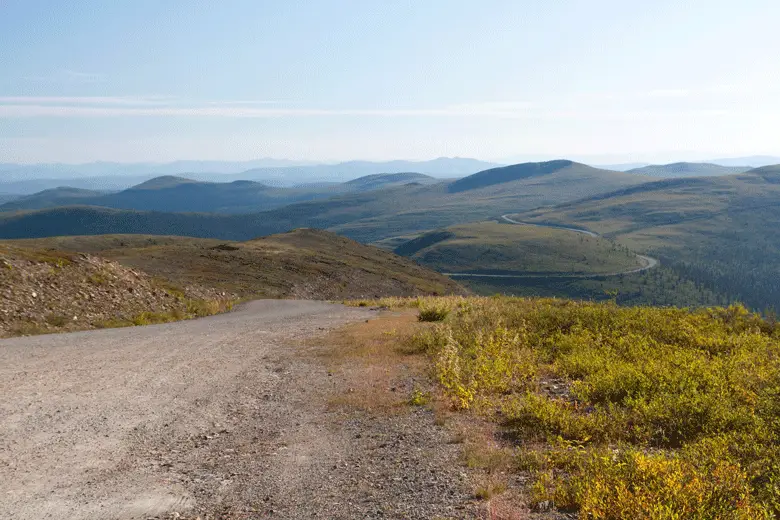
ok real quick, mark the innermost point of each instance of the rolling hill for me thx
(412, 209)
(687, 169)
(445, 167)
(62, 196)
(723, 232)
(75, 283)
(179, 194)
(500, 248)
(387, 180)
(303, 263)
(174, 194)
(366, 216)
(518, 172)
(30, 178)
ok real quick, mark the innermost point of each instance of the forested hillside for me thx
(720, 232)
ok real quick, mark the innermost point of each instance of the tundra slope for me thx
(721, 232)
(645, 261)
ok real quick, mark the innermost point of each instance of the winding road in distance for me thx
(647, 261)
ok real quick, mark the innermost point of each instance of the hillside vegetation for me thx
(615, 412)
(177, 194)
(721, 232)
(303, 263)
(524, 171)
(386, 180)
(687, 169)
(492, 247)
(364, 216)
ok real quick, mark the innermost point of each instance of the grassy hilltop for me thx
(492, 247)
(302, 263)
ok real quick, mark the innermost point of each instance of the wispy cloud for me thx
(162, 106)
(85, 100)
(148, 106)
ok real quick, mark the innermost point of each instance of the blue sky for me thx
(611, 80)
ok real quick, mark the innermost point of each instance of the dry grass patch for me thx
(379, 374)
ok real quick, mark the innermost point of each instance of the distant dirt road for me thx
(213, 418)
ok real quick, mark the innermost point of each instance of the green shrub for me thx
(433, 313)
(641, 412)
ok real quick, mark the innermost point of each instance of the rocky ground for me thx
(44, 291)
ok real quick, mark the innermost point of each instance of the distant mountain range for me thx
(687, 169)
(754, 161)
(178, 194)
(27, 179)
(627, 162)
(360, 211)
(17, 172)
(622, 167)
(20, 179)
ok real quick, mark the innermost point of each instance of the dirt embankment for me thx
(73, 283)
(45, 291)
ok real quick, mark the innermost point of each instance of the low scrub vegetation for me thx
(190, 309)
(619, 412)
(433, 312)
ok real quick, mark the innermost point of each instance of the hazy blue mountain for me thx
(28, 179)
(175, 194)
(54, 197)
(443, 167)
(518, 172)
(623, 167)
(754, 161)
(688, 169)
(179, 194)
(13, 172)
(367, 216)
(32, 186)
(386, 180)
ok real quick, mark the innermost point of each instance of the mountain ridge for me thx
(687, 169)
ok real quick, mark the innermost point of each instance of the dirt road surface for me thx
(223, 417)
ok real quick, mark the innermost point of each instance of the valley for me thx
(366, 216)
(693, 224)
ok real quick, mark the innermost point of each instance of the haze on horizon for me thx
(602, 81)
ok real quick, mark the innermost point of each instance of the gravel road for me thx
(222, 417)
